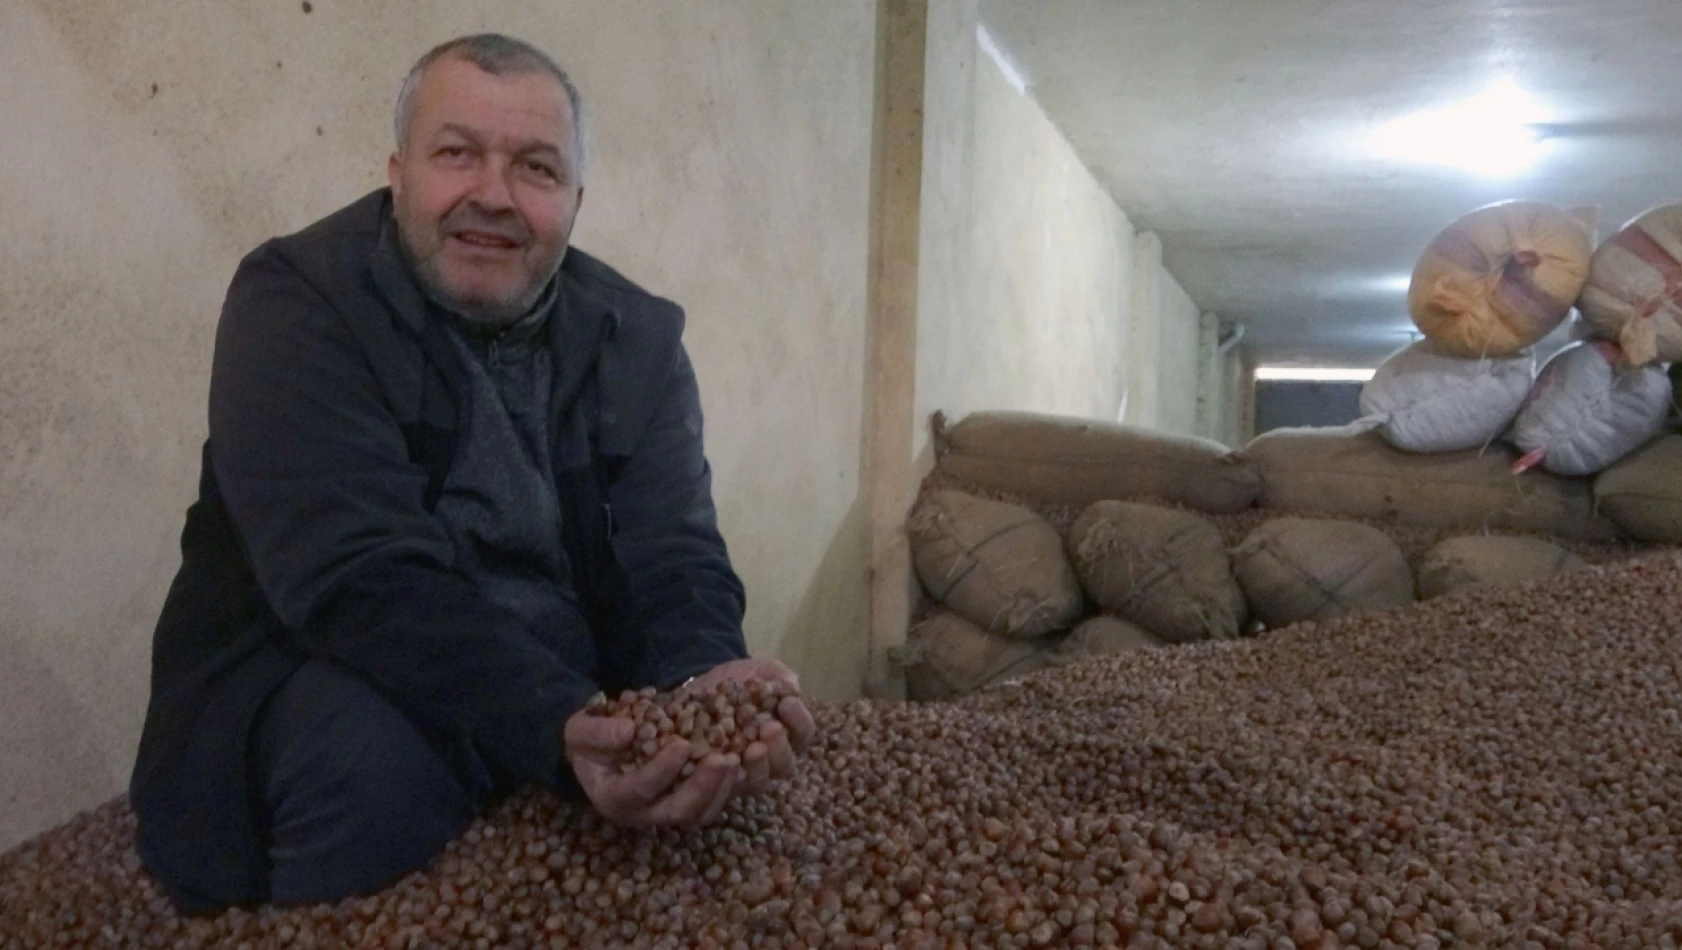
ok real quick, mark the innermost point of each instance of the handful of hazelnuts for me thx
(726, 718)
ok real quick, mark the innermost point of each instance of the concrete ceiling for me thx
(1239, 131)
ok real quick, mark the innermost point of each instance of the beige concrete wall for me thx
(1176, 353)
(1236, 399)
(148, 146)
(1026, 260)
(1220, 384)
(1161, 357)
(1211, 382)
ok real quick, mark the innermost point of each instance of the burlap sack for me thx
(1071, 461)
(1643, 493)
(1103, 636)
(1343, 473)
(1164, 569)
(1294, 569)
(1589, 409)
(946, 657)
(1002, 566)
(1421, 400)
(1634, 292)
(1499, 279)
(1487, 560)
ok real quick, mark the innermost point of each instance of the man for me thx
(454, 486)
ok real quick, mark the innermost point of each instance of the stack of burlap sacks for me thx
(1111, 538)
(1458, 431)
(1498, 281)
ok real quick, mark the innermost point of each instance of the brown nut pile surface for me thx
(726, 718)
(1498, 768)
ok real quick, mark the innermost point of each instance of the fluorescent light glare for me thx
(1493, 134)
(1312, 374)
(1396, 283)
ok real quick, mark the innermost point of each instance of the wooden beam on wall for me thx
(891, 339)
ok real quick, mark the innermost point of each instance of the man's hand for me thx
(651, 796)
(772, 755)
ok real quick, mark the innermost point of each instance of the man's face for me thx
(486, 187)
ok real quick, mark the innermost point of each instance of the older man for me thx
(454, 486)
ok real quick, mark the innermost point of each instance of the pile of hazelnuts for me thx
(1495, 768)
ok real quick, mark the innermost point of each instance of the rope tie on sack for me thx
(1638, 337)
(1665, 298)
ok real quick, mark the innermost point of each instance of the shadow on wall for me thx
(827, 639)
(45, 716)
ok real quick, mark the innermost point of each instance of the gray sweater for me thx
(499, 500)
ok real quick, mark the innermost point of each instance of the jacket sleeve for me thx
(685, 601)
(317, 479)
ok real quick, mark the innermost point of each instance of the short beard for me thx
(481, 312)
(497, 313)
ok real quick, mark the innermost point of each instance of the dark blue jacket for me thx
(333, 420)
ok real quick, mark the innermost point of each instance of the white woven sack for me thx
(1634, 292)
(1422, 400)
(1589, 409)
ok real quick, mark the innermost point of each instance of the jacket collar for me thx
(578, 332)
(392, 276)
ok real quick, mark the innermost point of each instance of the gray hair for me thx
(495, 54)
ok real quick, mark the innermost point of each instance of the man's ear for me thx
(394, 173)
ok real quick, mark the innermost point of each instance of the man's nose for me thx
(490, 190)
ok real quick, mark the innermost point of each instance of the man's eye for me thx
(452, 151)
(542, 169)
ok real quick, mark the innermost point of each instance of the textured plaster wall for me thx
(148, 146)
(1026, 261)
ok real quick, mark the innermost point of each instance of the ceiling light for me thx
(1396, 283)
(1311, 374)
(1494, 134)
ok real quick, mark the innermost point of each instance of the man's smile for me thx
(486, 240)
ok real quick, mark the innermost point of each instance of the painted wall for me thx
(148, 146)
(1026, 261)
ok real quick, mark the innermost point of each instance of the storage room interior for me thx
(1275, 294)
